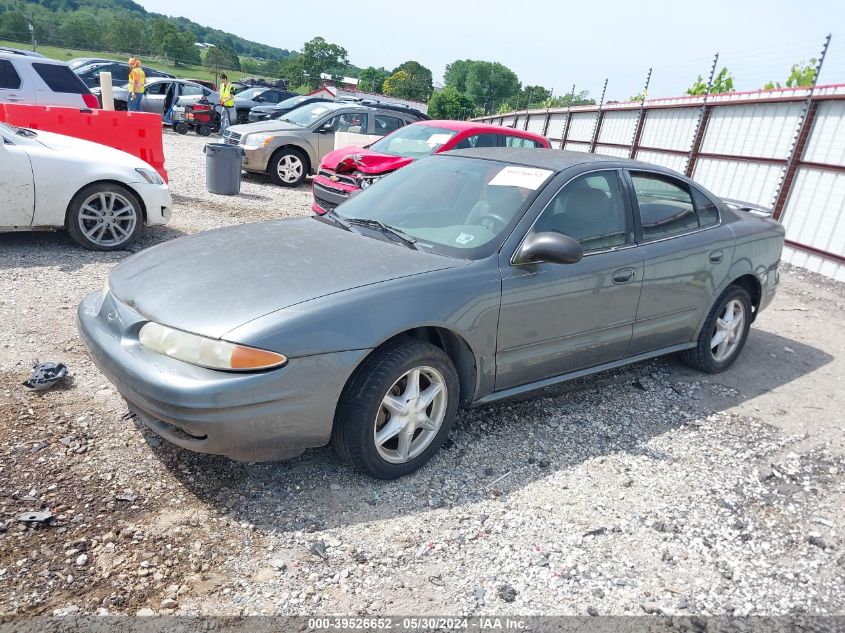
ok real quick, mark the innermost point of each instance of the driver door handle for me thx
(624, 275)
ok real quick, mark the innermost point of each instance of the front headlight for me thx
(366, 181)
(255, 141)
(206, 352)
(150, 175)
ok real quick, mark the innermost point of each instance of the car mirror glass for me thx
(550, 247)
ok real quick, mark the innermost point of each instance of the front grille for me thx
(232, 138)
(347, 180)
(325, 204)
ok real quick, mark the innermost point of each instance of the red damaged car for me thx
(349, 169)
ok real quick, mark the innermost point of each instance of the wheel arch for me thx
(754, 288)
(453, 344)
(107, 181)
(302, 150)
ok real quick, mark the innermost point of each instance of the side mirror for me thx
(551, 247)
(326, 128)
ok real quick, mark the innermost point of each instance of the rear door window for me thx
(60, 78)
(518, 141)
(666, 207)
(480, 140)
(9, 77)
(191, 91)
(387, 124)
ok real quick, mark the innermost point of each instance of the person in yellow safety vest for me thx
(137, 83)
(228, 114)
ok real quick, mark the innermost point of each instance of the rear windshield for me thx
(60, 78)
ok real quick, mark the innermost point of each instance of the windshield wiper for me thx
(23, 131)
(403, 237)
(337, 219)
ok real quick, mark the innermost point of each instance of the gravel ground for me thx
(650, 489)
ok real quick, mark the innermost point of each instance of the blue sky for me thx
(555, 44)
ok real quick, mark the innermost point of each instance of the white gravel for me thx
(647, 489)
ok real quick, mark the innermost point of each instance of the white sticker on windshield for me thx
(525, 177)
(438, 139)
(319, 110)
(464, 238)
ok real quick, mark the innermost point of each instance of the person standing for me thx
(228, 114)
(137, 82)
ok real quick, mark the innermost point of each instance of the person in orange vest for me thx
(228, 114)
(137, 82)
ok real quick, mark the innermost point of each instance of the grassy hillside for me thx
(65, 54)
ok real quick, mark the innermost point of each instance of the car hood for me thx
(213, 282)
(265, 126)
(82, 149)
(367, 161)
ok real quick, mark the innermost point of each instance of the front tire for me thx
(104, 217)
(288, 167)
(724, 332)
(397, 409)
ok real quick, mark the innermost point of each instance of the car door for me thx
(190, 94)
(354, 122)
(559, 318)
(18, 200)
(686, 253)
(13, 88)
(153, 100)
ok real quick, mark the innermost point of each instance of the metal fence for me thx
(779, 148)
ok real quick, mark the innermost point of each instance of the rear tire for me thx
(181, 127)
(104, 217)
(203, 130)
(397, 409)
(724, 333)
(288, 167)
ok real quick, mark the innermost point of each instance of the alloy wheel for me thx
(289, 168)
(410, 415)
(727, 333)
(107, 219)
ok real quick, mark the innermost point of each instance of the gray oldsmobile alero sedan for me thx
(459, 280)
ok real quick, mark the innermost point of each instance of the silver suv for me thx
(291, 148)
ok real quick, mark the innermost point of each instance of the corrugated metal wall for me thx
(740, 146)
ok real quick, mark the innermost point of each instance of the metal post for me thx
(799, 141)
(547, 122)
(599, 116)
(703, 117)
(638, 128)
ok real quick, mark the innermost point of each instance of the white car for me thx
(42, 81)
(102, 196)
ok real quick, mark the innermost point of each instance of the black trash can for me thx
(223, 168)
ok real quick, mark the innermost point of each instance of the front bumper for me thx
(246, 416)
(157, 202)
(328, 194)
(256, 159)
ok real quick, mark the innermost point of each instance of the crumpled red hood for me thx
(365, 160)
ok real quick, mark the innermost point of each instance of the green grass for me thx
(66, 54)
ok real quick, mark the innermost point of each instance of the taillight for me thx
(91, 101)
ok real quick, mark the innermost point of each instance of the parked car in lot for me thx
(102, 196)
(19, 51)
(42, 81)
(89, 72)
(277, 111)
(155, 92)
(291, 148)
(463, 279)
(247, 99)
(347, 170)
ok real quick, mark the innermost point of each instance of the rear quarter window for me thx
(9, 78)
(60, 78)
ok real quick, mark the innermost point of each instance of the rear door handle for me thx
(715, 257)
(14, 98)
(624, 275)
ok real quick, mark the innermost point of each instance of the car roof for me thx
(556, 160)
(462, 126)
(19, 51)
(35, 59)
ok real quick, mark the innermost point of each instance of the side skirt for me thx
(548, 382)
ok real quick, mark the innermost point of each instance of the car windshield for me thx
(414, 141)
(251, 93)
(452, 205)
(307, 114)
(290, 103)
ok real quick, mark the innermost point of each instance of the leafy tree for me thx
(319, 56)
(371, 79)
(484, 83)
(802, 75)
(81, 30)
(722, 82)
(449, 103)
(638, 97)
(14, 25)
(126, 33)
(399, 84)
(570, 99)
(250, 66)
(420, 83)
(222, 58)
(290, 69)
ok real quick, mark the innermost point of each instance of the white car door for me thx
(13, 88)
(18, 200)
